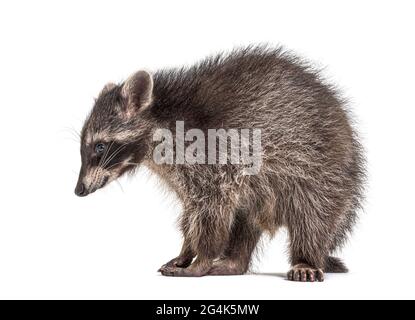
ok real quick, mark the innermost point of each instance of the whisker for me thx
(73, 131)
(122, 189)
(114, 154)
(113, 165)
(102, 160)
(130, 163)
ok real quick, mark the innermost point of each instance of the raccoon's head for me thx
(114, 139)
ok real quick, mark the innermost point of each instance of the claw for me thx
(305, 273)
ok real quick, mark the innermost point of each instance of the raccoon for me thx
(310, 181)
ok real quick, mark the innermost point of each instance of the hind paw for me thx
(179, 262)
(305, 273)
(183, 272)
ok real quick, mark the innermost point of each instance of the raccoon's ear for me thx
(138, 90)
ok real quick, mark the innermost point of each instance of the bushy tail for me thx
(335, 265)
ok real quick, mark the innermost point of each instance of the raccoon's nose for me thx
(80, 190)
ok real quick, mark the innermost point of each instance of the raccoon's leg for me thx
(187, 254)
(184, 259)
(308, 248)
(209, 231)
(237, 256)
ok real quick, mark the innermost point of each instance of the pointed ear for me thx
(108, 87)
(138, 90)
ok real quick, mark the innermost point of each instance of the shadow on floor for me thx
(270, 274)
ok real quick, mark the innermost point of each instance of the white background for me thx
(55, 56)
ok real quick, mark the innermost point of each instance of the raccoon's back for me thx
(247, 87)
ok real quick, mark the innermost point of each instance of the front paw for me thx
(182, 272)
(179, 262)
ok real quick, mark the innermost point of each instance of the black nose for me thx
(80, 190)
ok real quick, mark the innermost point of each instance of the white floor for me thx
(109, 245)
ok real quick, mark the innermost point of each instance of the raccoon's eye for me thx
(100, 148)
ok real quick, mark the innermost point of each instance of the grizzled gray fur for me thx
(312, 173)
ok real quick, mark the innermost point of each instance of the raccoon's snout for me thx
(80, 190)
